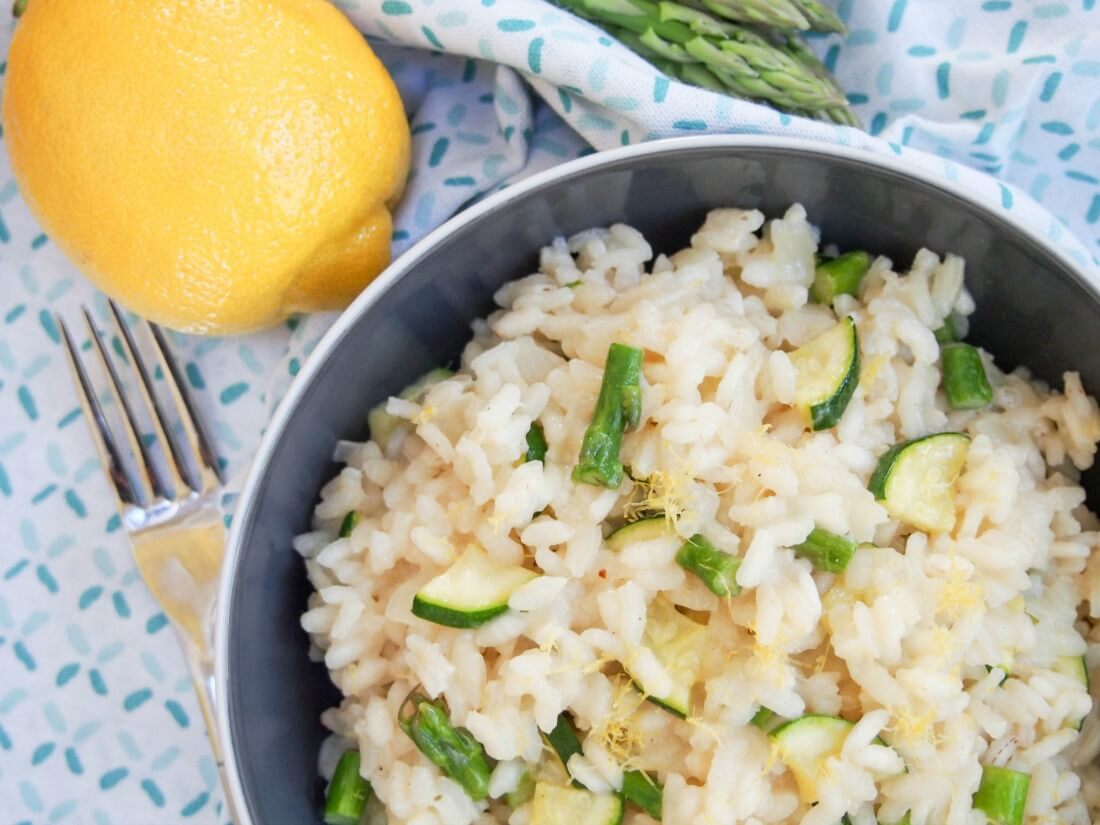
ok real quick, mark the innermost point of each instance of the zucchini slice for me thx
(383, 425)
(562, 805)
(826, 374)
(1002, 795)
(804, 743)
(915, 480)
(644, 529)
(1076, 668)
(471, 591)
(678, 644)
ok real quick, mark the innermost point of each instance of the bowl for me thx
(1034, 308)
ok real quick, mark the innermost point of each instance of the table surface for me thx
(98, 722)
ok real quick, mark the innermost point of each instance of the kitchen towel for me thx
(97, 720)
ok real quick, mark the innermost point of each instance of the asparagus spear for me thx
(452, 749)
(347, 792)
(784, 14)
(840, 276)
(644, 791)
(827, 551)
(695, 47)
(618, 408)
(715, 568)
(536, 443)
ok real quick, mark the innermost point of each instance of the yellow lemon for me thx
(214, 164)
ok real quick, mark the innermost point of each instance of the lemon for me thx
(215, 165)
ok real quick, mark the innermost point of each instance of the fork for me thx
(168, 509)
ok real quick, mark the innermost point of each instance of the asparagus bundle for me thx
(761, 61)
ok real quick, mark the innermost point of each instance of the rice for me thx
(942, 647)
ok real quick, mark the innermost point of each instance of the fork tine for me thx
(162, 428)
(209, 473)
(147, 470)
(109, 456)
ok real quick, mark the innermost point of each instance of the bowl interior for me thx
(1032, 309)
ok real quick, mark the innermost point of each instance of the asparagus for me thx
(347, 792)
(784, 14)
(644, 791)
(1002, 795)
(536, 443)
(348, 524)
(954, 329)
(452, 749)
(840, 276)
(618, 408)
(712, 52)
(565, 742)
(827, 551)
(715, 568)
(964, 380)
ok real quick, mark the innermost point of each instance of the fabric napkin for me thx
(97, 721)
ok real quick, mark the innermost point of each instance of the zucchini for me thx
(644, 791)
(383, 425)
(1002, 795)
(826, 374)
(839, 276)
(1076, 668)
(347, 793)
(562, 805)
(964, 381)
(644, 529)
(471, 591)
(826, 551)
(915, 480)
(678, 644)
(803, 744)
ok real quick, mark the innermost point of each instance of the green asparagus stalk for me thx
(840, 276)
(536, 443)
(348, 524)
(695, 47)
(347, 793)
(820, 17)
(783, 14)
(618, 408)
(715, 568)
(644, 791)
(453, 750)
(826, 551)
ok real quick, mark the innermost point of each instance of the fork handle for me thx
(201, 667)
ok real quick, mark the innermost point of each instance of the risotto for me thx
(741, 534)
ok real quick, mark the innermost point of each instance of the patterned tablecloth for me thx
(97, 720)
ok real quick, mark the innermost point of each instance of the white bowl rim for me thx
(411, 257)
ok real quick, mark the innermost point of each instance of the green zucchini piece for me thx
(347, 793)
(453, 750)
(562, 805)
(382, 425)
(678, 643)
(644, 529)
(804, 743)
(964, 380)
(915, 480)
(715, 568)
(536, 443)
(826, 551)
(840, 276)
(826, 374)
(565, 742)
(1076, 668)
(1002, 795)
(471, 591)
(644, 791)
(522, 793)
(348, 524)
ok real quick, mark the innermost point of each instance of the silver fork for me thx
(169, 509)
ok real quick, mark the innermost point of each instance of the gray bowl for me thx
(1034, 308)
